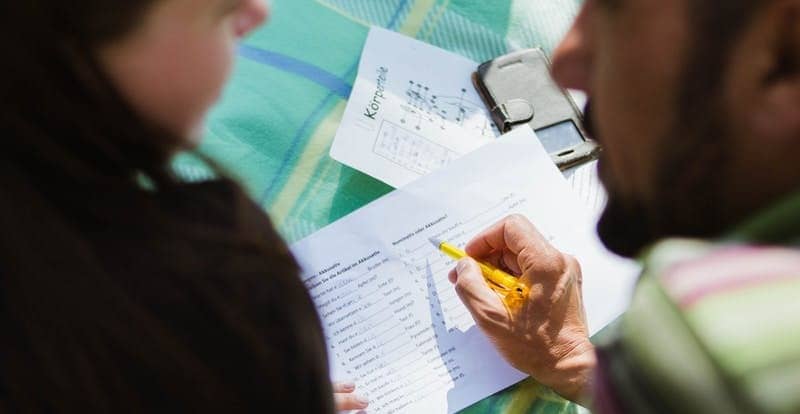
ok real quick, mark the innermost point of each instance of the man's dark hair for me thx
(117, 296)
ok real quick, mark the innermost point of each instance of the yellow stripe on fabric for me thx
(416, 17)
(435, 20)
(316, 187)
(524, 396)
(344, 13)
(317, 147)
(314, 152)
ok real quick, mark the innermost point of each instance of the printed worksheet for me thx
(413, 110)
(585, 181)
(392, 320)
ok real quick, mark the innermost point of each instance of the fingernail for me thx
(348, 386)
(362, 400)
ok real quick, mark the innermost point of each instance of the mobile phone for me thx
(518, 89)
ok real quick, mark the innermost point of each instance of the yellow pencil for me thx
(499, 280)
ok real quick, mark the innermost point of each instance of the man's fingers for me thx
(495, 259)
(470, 284)
(345, 402)
(487, 241)
(343, 387)
(481, 301)
(344, 398)
(522, 247)
(503, 260)
(452, 276)
(514, 233)
(511, 262)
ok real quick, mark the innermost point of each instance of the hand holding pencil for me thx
(543, 330)
(501, 282)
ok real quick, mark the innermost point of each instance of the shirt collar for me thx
(777, 224)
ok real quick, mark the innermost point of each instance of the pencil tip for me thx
(436, 242)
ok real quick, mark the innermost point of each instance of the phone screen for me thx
(559, 137)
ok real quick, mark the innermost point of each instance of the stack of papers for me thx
(392, 320)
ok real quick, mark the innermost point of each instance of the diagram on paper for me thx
(412, 110)
(410, 150)
(424, 105)
(423, 113)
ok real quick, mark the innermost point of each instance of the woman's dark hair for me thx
(119, 296)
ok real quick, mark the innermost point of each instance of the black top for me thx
(204, 312)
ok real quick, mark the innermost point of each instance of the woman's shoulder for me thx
(220, 203)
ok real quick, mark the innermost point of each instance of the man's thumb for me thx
(471, 286)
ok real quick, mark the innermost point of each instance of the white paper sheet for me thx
(412, 110)
(585, 182)
(394, 323)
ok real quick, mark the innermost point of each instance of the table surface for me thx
(275, 123)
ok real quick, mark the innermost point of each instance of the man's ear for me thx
(775, 49)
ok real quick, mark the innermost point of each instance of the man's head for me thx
(697, 105)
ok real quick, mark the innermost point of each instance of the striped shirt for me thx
(714, 327)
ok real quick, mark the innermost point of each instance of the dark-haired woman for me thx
(121, 287)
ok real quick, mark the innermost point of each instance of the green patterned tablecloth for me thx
(278, 116)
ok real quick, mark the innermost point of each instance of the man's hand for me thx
(344, 398)
(546, 336)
